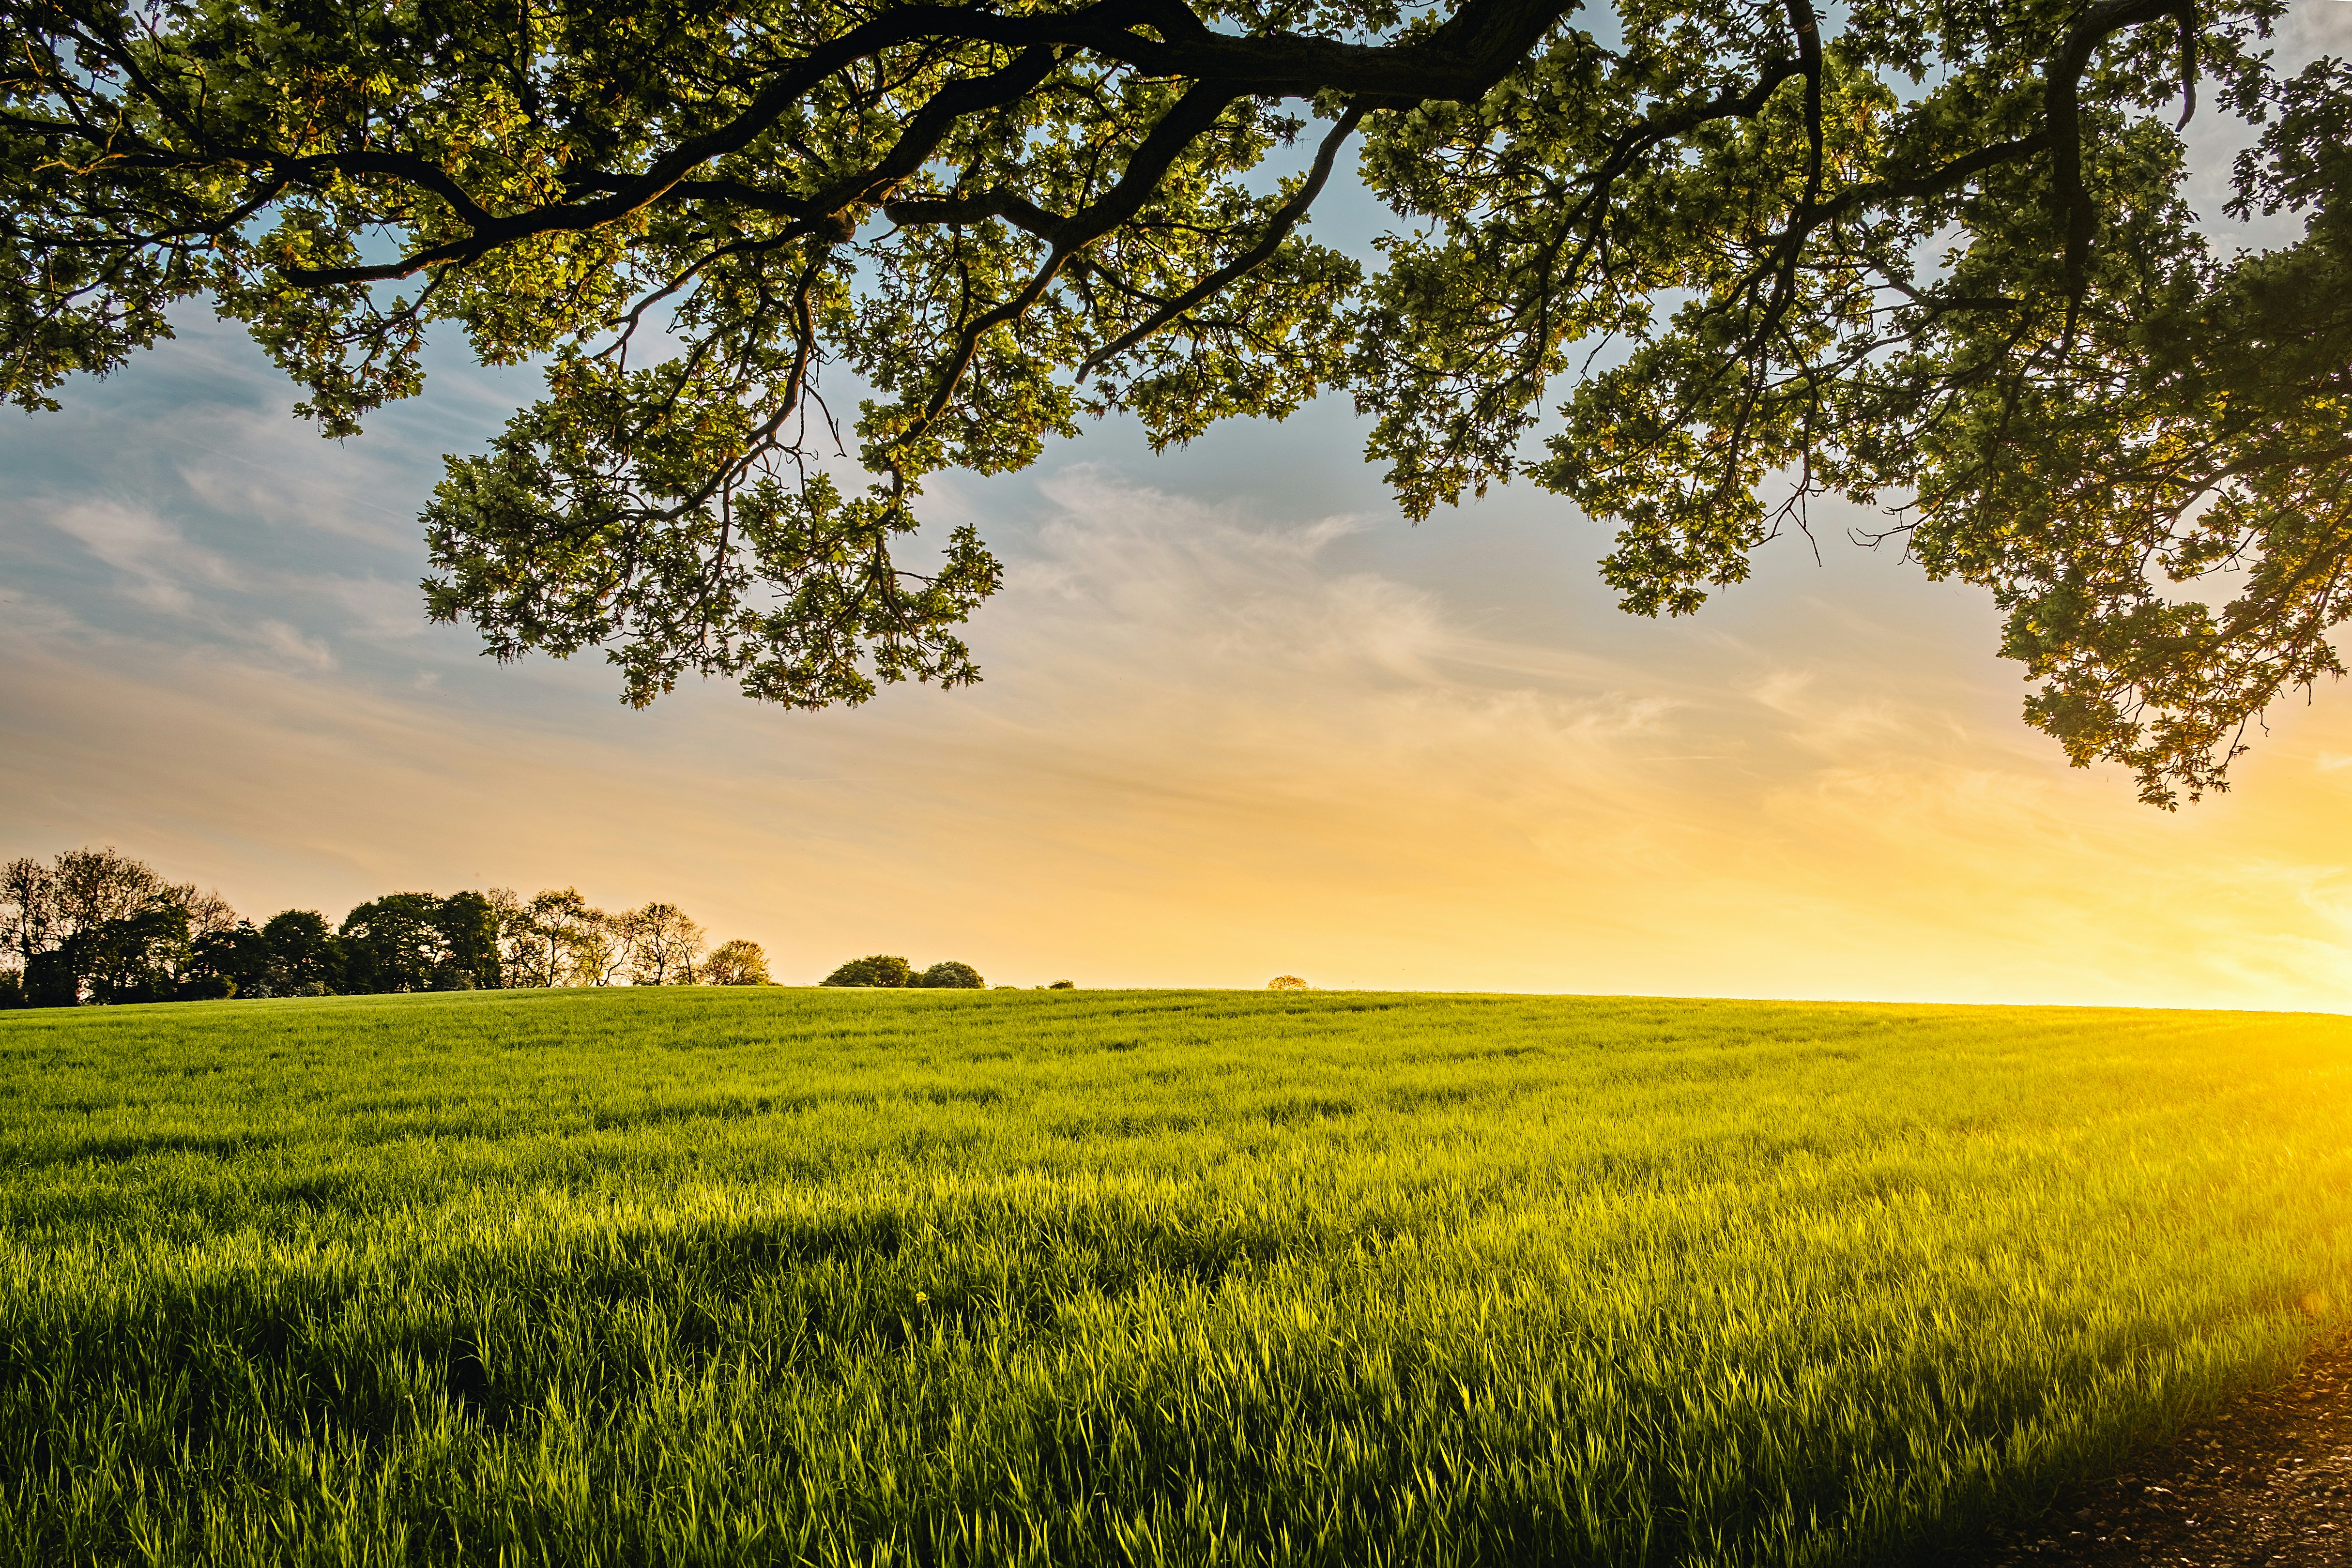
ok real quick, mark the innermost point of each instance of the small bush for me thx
(1063, 985)
(1287, 983)
(877, 969)
(949, 974)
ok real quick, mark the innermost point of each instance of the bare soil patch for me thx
(2265, 1484)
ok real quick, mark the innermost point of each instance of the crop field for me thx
(771, 1276)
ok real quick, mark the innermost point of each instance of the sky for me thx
(1239, 719)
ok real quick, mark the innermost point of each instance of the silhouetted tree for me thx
(96, 924)
(546, 940)
(232, 963)
(469, 927)
(306, 957)
(28, 909)
(601, 945)
(663, 945)
(93, 887)
(393, 944)
(209, 914)
(951, 975)
(103, 925)
(47, 906)
(50, 980)
(139, 958)
(518, 937)
(25, 909)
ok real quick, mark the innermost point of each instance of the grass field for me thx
(787, 1276)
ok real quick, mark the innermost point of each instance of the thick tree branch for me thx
(1018, 211)
(2061, 114)
(1466, 57)
(1285, 218)
(1193, 113)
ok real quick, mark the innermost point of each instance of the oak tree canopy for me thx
(1737, 254)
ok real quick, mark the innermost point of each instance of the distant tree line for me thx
(888, 969)
(95, 927)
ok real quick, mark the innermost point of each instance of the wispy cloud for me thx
(159, 568)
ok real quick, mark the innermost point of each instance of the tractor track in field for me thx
(2266, 1483)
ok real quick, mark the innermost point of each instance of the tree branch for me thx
(1285, 218)
(1464, 58)
(1193, 113)
(2061, 114)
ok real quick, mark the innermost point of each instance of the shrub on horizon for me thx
(877, 969)
(738, 962)
(1287, 983)
(1063, 985)
(951, 974)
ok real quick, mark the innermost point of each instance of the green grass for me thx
(714, 1277)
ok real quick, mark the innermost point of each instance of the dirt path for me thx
(2269, 1482)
